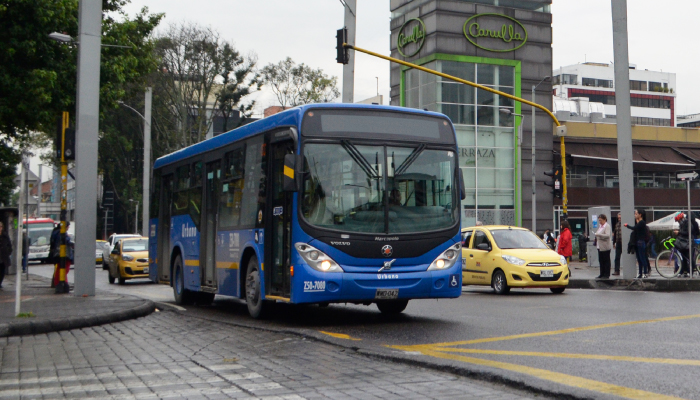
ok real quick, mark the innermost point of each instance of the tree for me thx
(236, 84)
(295, 85)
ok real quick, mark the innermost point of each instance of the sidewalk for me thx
(584, 277)
(55, 312)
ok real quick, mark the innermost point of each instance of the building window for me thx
(485, 136)
(638, 85)
(597, 82)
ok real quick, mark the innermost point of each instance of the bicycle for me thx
(668, 263)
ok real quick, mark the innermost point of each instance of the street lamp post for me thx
(136, 221)
(146, 157)
(518, 173)
(534, 140)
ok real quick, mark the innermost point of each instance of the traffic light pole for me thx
(62, 286)
(349, 68)
(488, 89)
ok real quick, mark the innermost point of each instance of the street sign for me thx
(687, 176)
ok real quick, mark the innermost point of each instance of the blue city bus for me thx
(324, 203)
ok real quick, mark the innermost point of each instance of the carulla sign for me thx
(495, 28)
(411, 37)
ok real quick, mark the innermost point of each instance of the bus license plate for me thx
(145, 270)
(547, 273)
(386, 294)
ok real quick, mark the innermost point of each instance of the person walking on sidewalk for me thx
(5, 251)
(603, 238)
(682, 243)
(640, 234)
(617, 238)
(564, 247)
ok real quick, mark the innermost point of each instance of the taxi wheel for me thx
(499, 283)
(557, 290)
(392, 306)
(122, 281)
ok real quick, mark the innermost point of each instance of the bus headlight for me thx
(317, 259)
(447, 258)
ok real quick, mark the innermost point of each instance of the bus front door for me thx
(279, 236)
(163, 250)
(208, 233)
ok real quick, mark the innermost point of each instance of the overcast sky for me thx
(662, 36)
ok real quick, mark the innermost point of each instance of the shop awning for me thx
(645, 158)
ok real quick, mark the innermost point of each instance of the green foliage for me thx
(235, 72)
(295, 85)
(26, 315)
(9, 159)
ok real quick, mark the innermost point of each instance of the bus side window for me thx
(232, 189)
(195, 193)
(253, 202)
(182, 183)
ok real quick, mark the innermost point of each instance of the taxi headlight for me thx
(446, 259)
(317, 259)
(127, 257)
(513, 260)
(562, 260)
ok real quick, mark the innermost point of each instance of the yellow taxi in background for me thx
(505, 257)
(129, 259)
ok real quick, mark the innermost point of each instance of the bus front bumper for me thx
(311, 286)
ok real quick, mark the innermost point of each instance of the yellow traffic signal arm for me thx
(488, 89)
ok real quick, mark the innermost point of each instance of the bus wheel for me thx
(205, 299)
(392, 306)
(182, 295)
(257, 307)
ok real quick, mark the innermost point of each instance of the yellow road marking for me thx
(670, 361)
(563, 331)
(564, 379)
(339, 335)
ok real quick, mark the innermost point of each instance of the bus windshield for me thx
(40, 233)
(377, 188)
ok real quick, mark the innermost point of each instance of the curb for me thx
(653, 285)
(19, 328)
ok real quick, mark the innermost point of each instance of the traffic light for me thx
(66, 142)
(342, 52)
(555, 183)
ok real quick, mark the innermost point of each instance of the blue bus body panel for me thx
(185, 236)
(230, 247)
(153, 250)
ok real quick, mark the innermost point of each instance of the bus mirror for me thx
(462, 189)
(290, 173)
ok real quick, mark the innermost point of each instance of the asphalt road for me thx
(585, 343)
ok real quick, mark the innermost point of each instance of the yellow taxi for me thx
(129, 259)
(506, 257)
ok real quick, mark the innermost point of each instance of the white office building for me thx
(653, 93)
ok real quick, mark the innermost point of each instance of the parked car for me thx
(107, 252)
(130, 259)
(504, 257)
(100, 246)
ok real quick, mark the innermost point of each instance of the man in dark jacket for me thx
(682, 242)
(617, 241)
(5, 252)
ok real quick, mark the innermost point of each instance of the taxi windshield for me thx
(135, 245)
(517, 239)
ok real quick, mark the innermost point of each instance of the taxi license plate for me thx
(386, 294)
(145, 270)
(547, 273)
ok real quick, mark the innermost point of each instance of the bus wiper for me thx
(409, 160)
(359, 159)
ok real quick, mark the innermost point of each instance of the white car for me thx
(107, 252)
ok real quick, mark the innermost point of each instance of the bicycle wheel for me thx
(668, 264)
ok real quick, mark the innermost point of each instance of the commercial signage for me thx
(495, 32)
(411, 37)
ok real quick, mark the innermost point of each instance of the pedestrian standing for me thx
(549, 238)
(640, 234)
(564, 246)
(55, 252)
(683, 244)
(617, 238)
(5, 252)
(603, 238)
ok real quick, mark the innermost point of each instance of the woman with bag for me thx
(603, 238)
(640, 234)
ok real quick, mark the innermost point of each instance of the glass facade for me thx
(485, 135)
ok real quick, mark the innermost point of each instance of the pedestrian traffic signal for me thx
(65, 141)
(342, 52)
(555, 182)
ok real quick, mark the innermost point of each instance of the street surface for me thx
(587, 343)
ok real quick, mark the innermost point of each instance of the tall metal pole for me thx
(520, 170)
(691, 244)
(136, 222)
(146, 195)
(624, 127)
(18, 243)
(88, 118)
(349, 68)
(532, 155)
(62, 286)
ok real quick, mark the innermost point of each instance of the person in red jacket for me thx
(564, 247)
